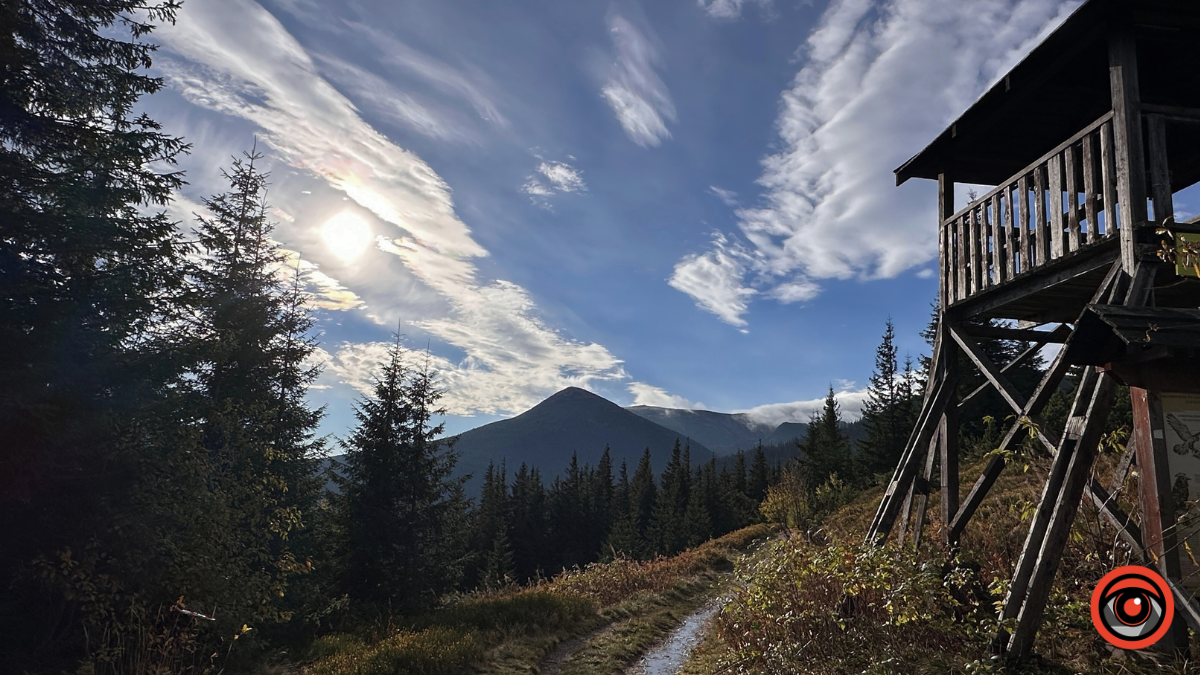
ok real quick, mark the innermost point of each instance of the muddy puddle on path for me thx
(667, 657)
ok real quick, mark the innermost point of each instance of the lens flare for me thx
(347, 235)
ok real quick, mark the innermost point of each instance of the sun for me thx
(347, 235)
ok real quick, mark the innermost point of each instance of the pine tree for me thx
(623, 537)
(826, 450)
(760, 475)
(89, 270)
(642, 497)
(404, 514)
(528, 524)
(885, 416)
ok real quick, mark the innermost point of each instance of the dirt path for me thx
(667, 657)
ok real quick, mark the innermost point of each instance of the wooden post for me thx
(1154, 494)
(1127, 138)
(948, 435)
(945, 210)
(1160, 175)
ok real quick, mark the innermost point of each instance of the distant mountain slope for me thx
(573, 420)
(720, 432)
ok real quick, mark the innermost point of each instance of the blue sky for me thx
(676, 202)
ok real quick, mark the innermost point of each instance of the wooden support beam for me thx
(1115, 516)
(1078, 452)
(1016, 334)
(1041, 279)
(1057, 335)
(1127, 137)
(945, 208)
(923, 496)
(948, 436)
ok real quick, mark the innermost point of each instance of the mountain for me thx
(720, 432)
(573, 420)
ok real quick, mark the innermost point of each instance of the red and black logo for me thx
(1132, 607)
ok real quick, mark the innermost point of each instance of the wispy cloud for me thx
(728, 9)
(555, 177)
(468, 84)
(234, 57)
(325, 291)
(389, 103)
(714, 280)
(875, 87)
(727, 197)
(646, 394)
(633, 89)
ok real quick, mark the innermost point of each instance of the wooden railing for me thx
(1060, 204)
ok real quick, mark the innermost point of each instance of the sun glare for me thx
(347, 235)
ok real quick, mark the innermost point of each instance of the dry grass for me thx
(512, 630)
(827, 604)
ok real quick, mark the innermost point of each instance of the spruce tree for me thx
(642, 497)
(885, 413)
(826, 449)
(90, 270)
(760, 476)
(528, 524)
(403, 513)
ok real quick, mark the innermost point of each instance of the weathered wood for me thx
(1055, 168)
(1056, 336)
(1069, 164)
(989, 370)
(1084, 436)
(1127, 137)
(1154, 488)
(1185, 604)
(1023, 223)
(948, 434)
(1108, 180)
(961, 262)
(1010, 234)
(1041, 247)
(905, 514)
(986, 226)
(945, 205)
(977, 255)
(1089, 188)
(999, 236)
(931, 454)
(1173, 112)
(1160, 178)
(1041, 396)
(1122, 470)
(889, 506)
(1086, 262)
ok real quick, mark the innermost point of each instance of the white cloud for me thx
(876, 86)
(326, 292)
(645, 394)
(383, 99)
(728, 9)
(563, 176)
(728, 197)
(233, 57)
(714, 280)
(850, 401)
(634, 91)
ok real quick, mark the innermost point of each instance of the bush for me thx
(839, 608)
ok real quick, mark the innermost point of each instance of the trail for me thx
(667, 657)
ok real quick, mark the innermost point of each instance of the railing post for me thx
(945, 255)
(1127, 138)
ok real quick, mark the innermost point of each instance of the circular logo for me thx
(1132, 607)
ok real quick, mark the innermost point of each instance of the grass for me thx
(626, 604)
(826, 603)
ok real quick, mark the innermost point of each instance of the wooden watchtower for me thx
(1084, 141)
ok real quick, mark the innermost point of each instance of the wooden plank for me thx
(1089, 188)
(1086, 262)
(945, 205)
(1055, 168)
(923, 498)
(962, 229)
(1160, 179)
(1056, 336)
(1041, 247)
(1023, 223)
(1010, 233)
(1085, 437)
(905, 514)
(1127, 137)
(1100, 121)
(976, 251)
(1108, 180)
(1069, 164)
(1154, 489)
(999, 254)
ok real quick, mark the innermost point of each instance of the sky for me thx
(682, 203)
